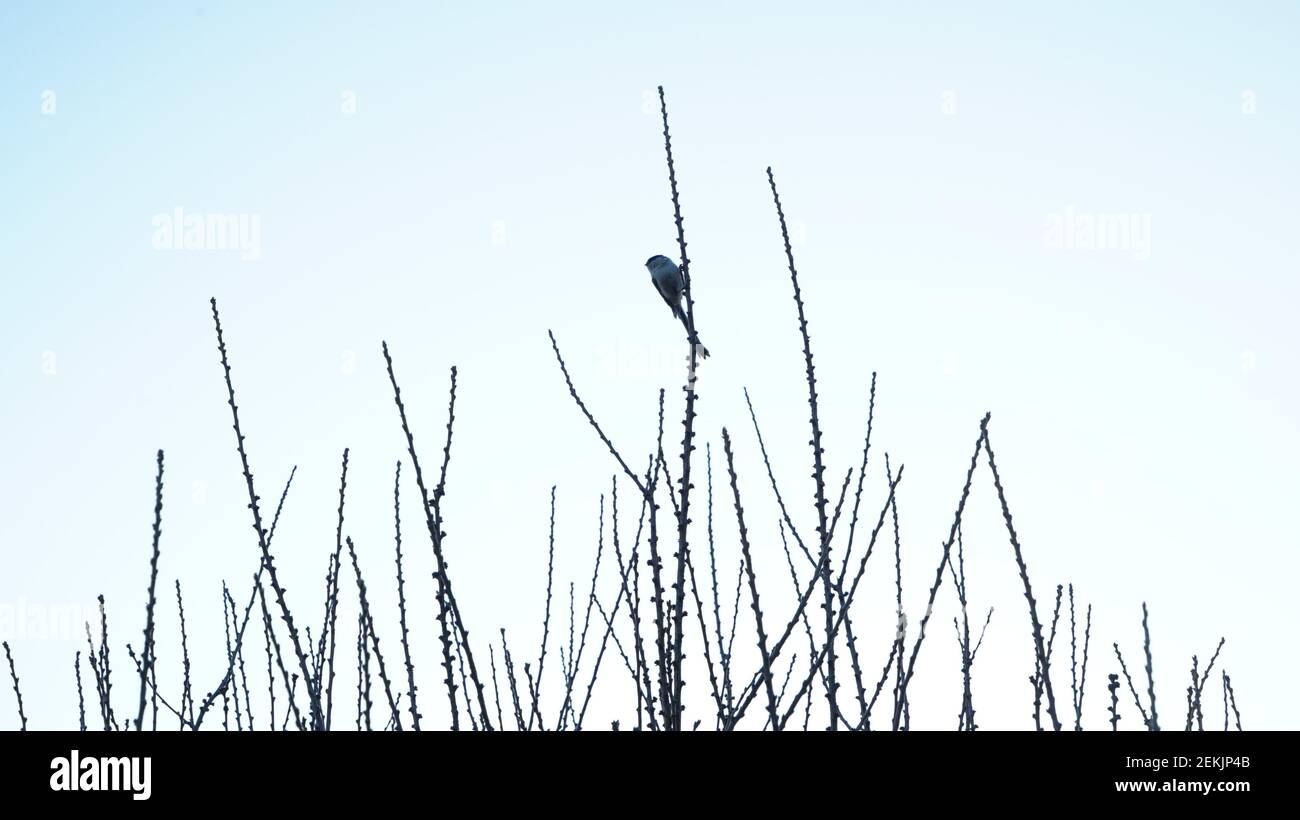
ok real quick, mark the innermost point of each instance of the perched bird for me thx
(667, 279)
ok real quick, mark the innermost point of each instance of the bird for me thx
(667, 279)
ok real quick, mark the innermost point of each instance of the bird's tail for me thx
(704, 351)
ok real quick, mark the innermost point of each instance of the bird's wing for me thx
(670, 295)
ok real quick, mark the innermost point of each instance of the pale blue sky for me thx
(503, 174)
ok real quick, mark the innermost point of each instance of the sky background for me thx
(458, 179)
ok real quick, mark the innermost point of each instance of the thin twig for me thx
(401, 601)
(13, 673)
(153, 583)
(1043, 659)
(262, 539)
(819, 478)
(753, 586)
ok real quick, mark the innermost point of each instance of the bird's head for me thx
(657, 261)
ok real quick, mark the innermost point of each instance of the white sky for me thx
(502, 175)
